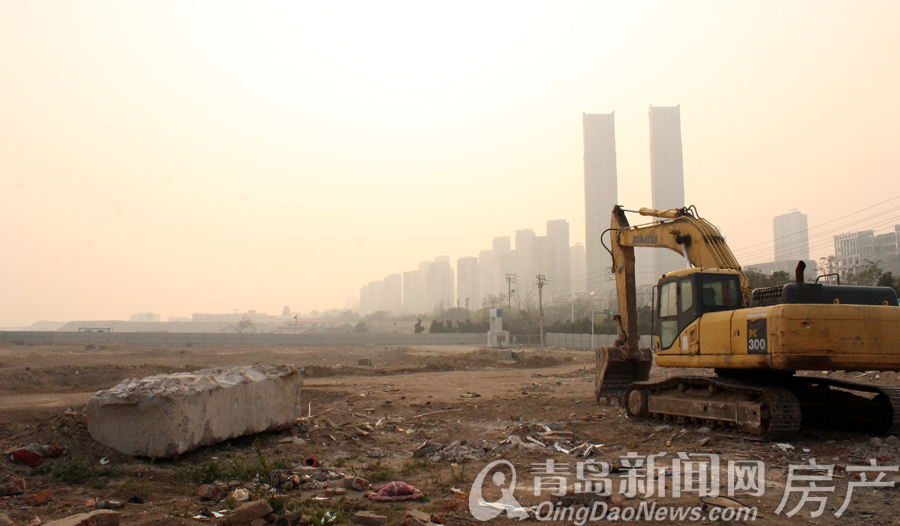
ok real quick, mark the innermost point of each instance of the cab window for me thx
(686, 296)
(718, 292)
(668, 297)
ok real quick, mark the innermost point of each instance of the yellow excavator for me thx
(706, 316)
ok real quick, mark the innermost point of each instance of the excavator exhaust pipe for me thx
(617, 368)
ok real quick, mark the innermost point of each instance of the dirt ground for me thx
(455, 405)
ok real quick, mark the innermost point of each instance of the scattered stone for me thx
(109, 504)
(518, 355)
(166, 415)
(208, 491)
(5, 520)
(248, 512)
(416, 518)
(367, 518)
(15, 486)
(892, 441)
(876, 442)
(94, 518)
(356, 483)
(39, 498)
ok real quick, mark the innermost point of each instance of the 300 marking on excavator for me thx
(757, 336)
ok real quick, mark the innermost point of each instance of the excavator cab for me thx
(685, 295)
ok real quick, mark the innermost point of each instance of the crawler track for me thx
(766, 409)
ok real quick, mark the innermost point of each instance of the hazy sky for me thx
(181, 157)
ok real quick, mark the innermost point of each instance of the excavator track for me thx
(880, 414)
(750, 409)
(770, 410)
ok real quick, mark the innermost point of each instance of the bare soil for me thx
(368, 421)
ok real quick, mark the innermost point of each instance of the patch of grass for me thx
(340, 512)
(458, 478)
(278, 504)
(378, 472)
(233, 467)
(413, 464)
(79, 472)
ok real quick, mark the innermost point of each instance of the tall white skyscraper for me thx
(600, 193)
(666, 175)
(791, 232)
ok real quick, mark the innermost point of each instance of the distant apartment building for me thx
(489, 279)
(791, 234)
(525, 262)
(600, 193)
(468, 283)
(856, 251)
(666, 174)
(144, 316)
(577, 269)
(440, 285)
(558, 257)
(392, 299)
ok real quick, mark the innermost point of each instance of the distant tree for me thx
(888, 280)
(759, 280)
(348, 316)
(246, 325)
(493, 301)
(360, 328)
(418, 327)
(866, 277)
(436, 327)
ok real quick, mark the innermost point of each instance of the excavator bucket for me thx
(617, 368)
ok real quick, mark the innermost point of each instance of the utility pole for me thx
(509, 278)
(541, 280)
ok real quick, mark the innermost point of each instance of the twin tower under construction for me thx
(601, 191)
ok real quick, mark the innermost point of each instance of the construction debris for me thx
(367, 518)
(94, 518)
(15, 486)
(456, 452)
(247, 513)
(164, 416)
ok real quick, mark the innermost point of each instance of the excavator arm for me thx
(679, 230)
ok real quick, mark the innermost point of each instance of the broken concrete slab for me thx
(166, 415)
(248, 512)
(94, 518)
(367, 518)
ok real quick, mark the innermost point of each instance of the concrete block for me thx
(367, 518)
(518, 355)
(248, 512)
(166, 415)
(506, 355)
(94, 518)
